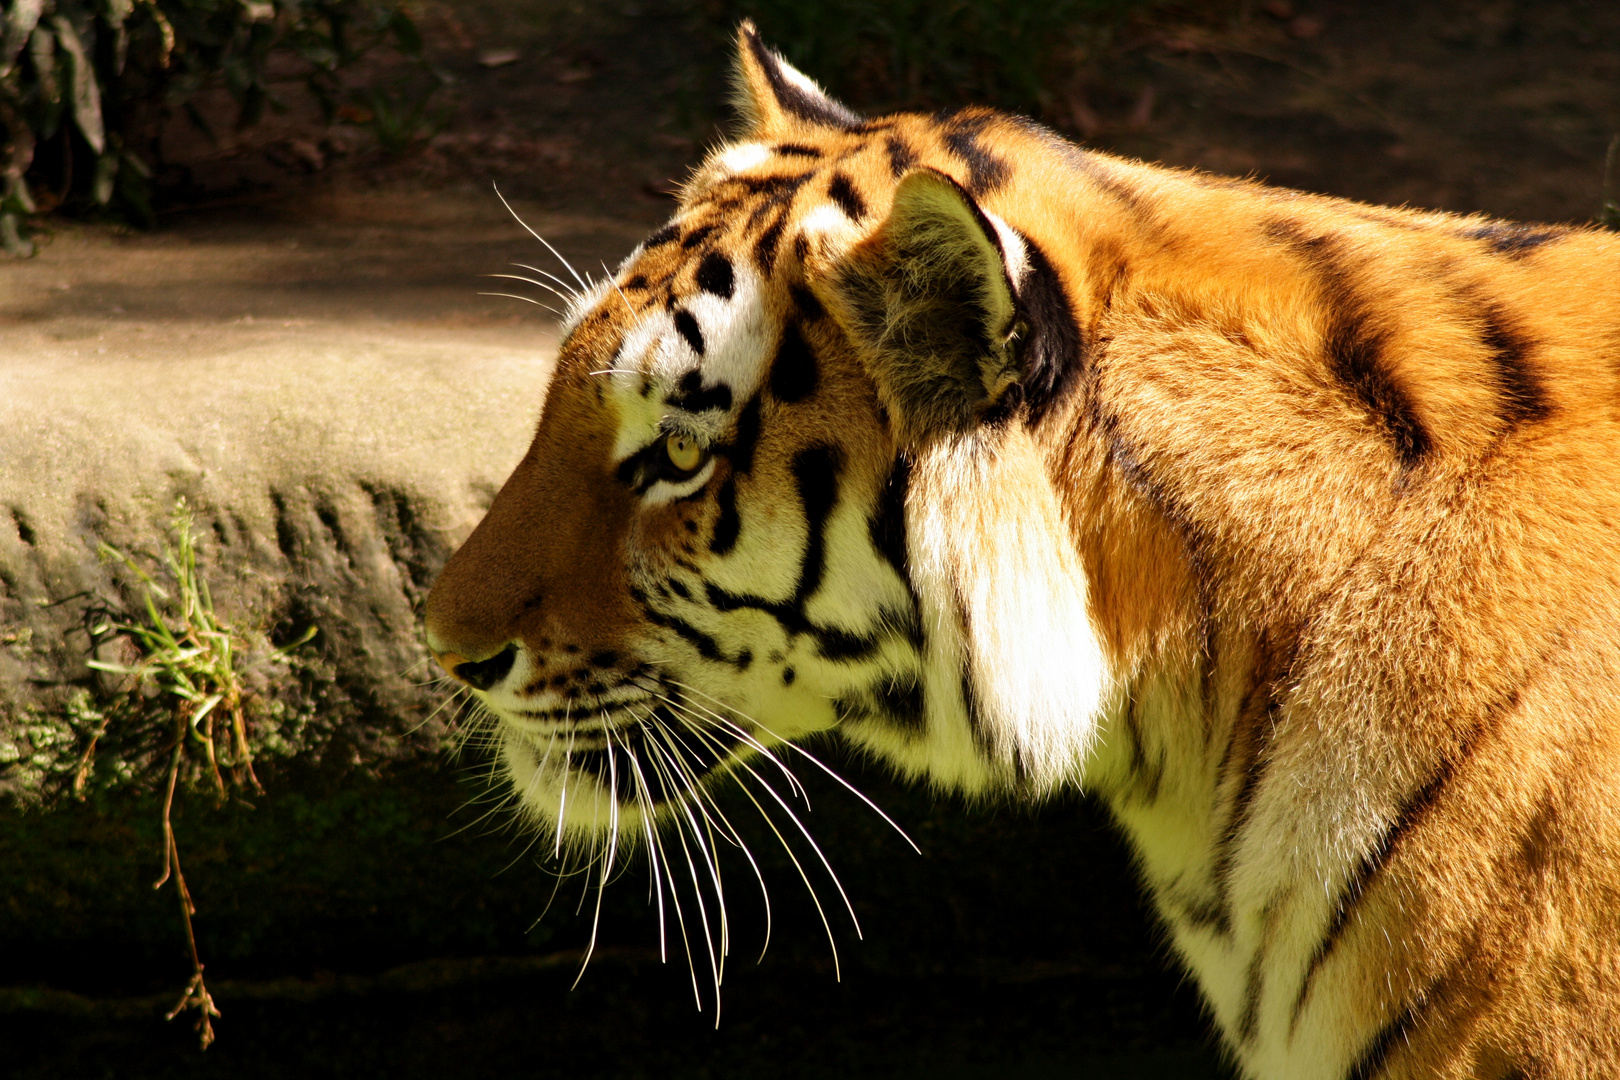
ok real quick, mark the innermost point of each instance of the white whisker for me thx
(526, 300)
(543, 240)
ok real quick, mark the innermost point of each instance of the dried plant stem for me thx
(81, 776)
(196, 994)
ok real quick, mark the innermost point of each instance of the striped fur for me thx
(1290, 526)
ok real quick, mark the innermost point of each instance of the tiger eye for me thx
(684, 453)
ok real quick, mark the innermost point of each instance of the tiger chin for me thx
(1287, 525)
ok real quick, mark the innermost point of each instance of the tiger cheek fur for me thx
(1286, 525)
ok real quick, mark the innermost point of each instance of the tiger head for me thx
(789, 478)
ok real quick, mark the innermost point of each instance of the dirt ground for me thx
(588, 115)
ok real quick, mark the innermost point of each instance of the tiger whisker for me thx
(530, 281)
(655, 886)
(526, 300)
(702, 793)
(808, 756)
(612, 852)
(571, 293)
(655, 759)
(747, 737)
(815, 897)
(555, 253)
(691, 784)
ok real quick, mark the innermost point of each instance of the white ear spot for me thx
(742, 157)
(1013, 252)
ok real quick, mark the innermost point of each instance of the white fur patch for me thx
(1014, 254)
(989, 539)
(740, 157)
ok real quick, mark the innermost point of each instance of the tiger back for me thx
(1287, 525)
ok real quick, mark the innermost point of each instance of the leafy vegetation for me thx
(85, 84)
(191, 660)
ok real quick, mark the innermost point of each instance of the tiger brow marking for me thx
(1355, 339)
(688, 328)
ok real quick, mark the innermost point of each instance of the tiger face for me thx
(707, 549)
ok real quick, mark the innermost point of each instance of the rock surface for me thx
(336, 414)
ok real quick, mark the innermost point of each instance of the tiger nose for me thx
(478, 674)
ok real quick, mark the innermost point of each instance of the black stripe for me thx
(1523, 399)
(809, 307)
(793, 99)
(780, 187)
(1408, 816)
(1374, 1057)
(1514, 241)
(661, 237)
(765, 246)
(902, 699)
(690, 393)
(741, 448)
(706, 645)
(797, 150)
(714, 275)
(843, 192)
(1253, 986)
(1049, 358)
(887, 526)
(1354, 339)
(727, 525)
(697, 236)
(688, 328)
(794, 371)
(815, 472)
(901, 156)
(1130, 198)
(987, 171)
(896, 702)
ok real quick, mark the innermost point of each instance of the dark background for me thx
(370, 921)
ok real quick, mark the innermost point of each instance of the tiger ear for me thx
(774, 97)
(931, 307)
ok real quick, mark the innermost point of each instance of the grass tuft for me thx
(191, 658)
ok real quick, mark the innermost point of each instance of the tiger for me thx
(1286, 526)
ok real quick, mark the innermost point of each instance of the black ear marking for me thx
(787, 94)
